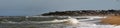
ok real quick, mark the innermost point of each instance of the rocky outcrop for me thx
(83, 13)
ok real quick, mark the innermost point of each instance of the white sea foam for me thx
(91, 23)
(86, 23)
(83, 23)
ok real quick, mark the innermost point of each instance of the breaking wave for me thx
(84, 22)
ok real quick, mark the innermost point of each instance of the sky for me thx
(37, 7)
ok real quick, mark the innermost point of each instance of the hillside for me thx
(83, 13)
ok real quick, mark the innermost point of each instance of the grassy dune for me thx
(113, 20)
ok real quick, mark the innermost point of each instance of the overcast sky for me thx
(35, 7)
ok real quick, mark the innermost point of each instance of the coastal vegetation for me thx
(83, 13)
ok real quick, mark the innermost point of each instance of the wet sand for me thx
(113, 20)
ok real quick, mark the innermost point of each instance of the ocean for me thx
(57, 22)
